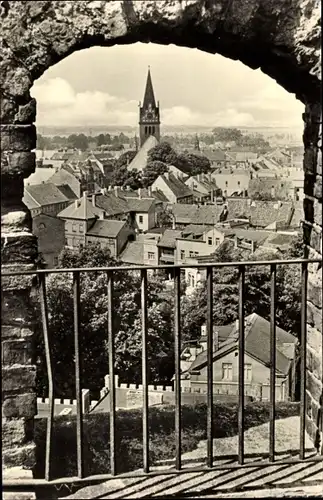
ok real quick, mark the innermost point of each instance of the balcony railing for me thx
(211, 453)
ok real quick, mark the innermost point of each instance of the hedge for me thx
(129, 435)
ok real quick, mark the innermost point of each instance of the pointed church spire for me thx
(149, 97)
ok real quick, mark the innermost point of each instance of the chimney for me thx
(76, 203)
(235, 241)
(193, 353)
(128, 188)
(173, 222)
(102, 215)
(116, 191)
(237, 325)
(139, 193)
(212, 195)
(166, 174)
(149, 191)
(93, 200)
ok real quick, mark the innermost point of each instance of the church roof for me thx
(140, 160)
(149, 97)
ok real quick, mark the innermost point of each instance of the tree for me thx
(153, 170)
(100, 140)
(125, 158)
(94, 320)
(79, 141)
(193, 164)
(163, 152)
(165, 219)
(226, 134)
(123, 177)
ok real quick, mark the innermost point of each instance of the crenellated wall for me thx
(283, 41)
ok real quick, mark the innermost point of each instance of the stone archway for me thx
(282, 37)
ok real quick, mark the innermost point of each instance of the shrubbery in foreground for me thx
(129, 435)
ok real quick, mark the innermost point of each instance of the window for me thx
(55, 261)
(196, 254)
(151, 256)
(81, 227)
(141, 219)
(217, 241)
(238, 183)
(74, 227)
(226, 183)
(210, 241)
(248, 372)
(182, 254)
(191, 254)
(227, 371)
(41, 226)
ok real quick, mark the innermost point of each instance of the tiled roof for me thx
(216, 155)
(106, 228)
(133, 253)
(168, 240)
(251, 234)
(195, 214)
(46, 194)
(177, 186)
(81, 212)
(112, 204)
(140, 160)
(257, 344)
(62, 177)
(67, 191)
(140, 204)
(261, 213)
(279, 239)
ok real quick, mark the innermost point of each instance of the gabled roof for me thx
(112, 204)
(133, 253)
(67, 191)
(140, 204)
(257, 344)
(177, 186)
(106, 228)
(41, 174)
(168, 240)
(63, 177)
(195, 214)
(261, 213)
(140, 160)
(215, 155)
(45, 194)
(83, 211)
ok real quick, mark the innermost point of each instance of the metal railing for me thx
(176, 272)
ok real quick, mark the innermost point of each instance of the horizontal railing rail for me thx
(176, 274)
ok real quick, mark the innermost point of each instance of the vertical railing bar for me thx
(177, 346)
(145, 428)
(241, 364)
(78, 388)
(273, 270)
(209, 366)
(111, 349)
(48, 354)
(303, 358)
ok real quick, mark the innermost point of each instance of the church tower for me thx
(149, 120)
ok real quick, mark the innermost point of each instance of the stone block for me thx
(18, 377)
(16, 220)
(318, 187)
(314, 386)
(18, 137)
(22, 455)
(15, 332)
(314, 316)
(18, 163)
(314, 339)
(18, 249)
(316, 239)
(314, 362)
(311, 428)
(19, 495)
(26, 113)
(318, 212)
(19, 405)
(17, 352)
(16, 308)
(310, 160)
(16, 431)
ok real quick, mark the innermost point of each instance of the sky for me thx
(103, 85)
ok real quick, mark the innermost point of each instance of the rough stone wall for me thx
(313, 239)
(282, 37)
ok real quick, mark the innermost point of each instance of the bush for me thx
(129, 435)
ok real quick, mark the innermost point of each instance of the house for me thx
(47, 198)
(261, 214)
(232, 181)
(174, 189)
(50, 233)
(185, 214)
(280, 188)
(205, 186)
(41, 174)
(217, 157)
(256, 361)
(87, 222)
(65, 176)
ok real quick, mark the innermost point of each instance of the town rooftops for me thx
(80, 210)
(133, 253)
(44, 194)
(257, 345)
(140, 160)
(41, 174)
(195, 214)
(168, 240)
(177, 186)
(106, 228)
(261, 213)
(216, 155)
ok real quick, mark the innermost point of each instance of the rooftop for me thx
(106, 228)
(45, 194)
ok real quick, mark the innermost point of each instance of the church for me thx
(149, 126)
